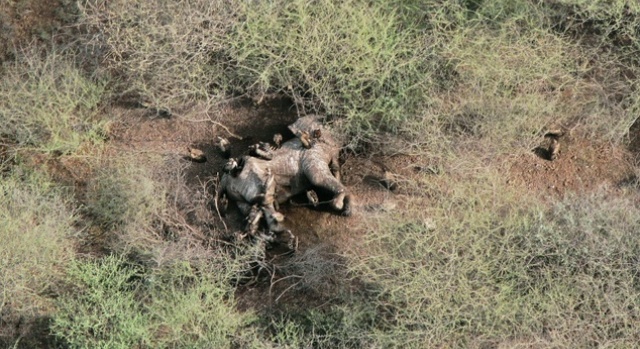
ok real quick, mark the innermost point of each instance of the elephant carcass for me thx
(293, 168)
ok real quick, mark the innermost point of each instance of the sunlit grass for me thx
(48, 104)
(487, 268)
(111, 303)
(38, 223)
(467, 263)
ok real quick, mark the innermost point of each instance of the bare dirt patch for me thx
(582, 166)
(376, 182)
(135, 131)
(321, 233)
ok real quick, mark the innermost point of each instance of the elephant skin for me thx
(293, 168)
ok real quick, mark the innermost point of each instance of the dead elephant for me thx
(308, 161)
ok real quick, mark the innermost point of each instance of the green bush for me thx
(162, 52)
(37, 224)
(102, 311)
(356, 59)
(479, 269)
(349, 58)
(110, 303)
(337, 326)
(123, 195)
(47, 102)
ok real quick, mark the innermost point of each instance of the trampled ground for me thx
(454, 238)
(581, 167)
(319, 229)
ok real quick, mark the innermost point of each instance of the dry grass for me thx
(160, 52)
(48, 103)
(38, 224)
(469, 263)
(480, 268)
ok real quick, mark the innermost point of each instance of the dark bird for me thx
(553, 137)
(554, 133)
(265, 146)
(261, 150)
(232, 167)
(554, 149)
(223, 204)
(388, 180)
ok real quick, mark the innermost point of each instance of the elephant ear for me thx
(307, 123)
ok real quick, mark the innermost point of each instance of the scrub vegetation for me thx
(105, 245)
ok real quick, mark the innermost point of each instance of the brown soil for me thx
(142, 132)
(322, 234)
(24, 22)
(581, 166)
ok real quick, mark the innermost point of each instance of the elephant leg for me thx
(274, 219)
(244, 207)
(253, 220)
(334, 166)
(346, 211)
(319, 175)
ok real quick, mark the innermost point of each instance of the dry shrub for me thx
(142, 205)
(112, 303)
(122, 196)
(315, 271)
(163, 52)
(483, 268)
(35, 246)
(48, 103)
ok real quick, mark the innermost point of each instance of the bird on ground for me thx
(196, 154)
(232, 167)
(224, 146)
(553, 137)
